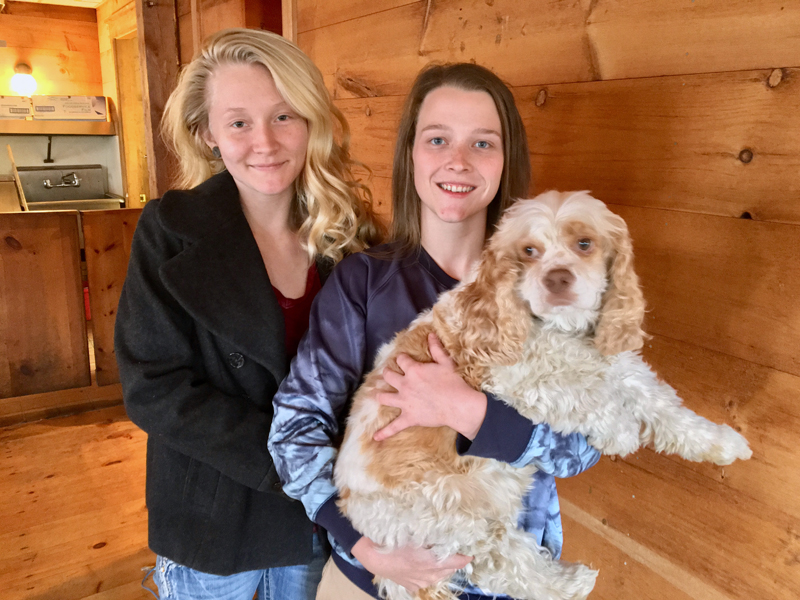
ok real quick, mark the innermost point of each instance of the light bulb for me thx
(22, 82)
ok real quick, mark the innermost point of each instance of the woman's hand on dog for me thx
(431, 395)
(413, 568)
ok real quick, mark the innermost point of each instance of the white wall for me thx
(31, 150)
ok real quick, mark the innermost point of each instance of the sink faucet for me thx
(68, 180)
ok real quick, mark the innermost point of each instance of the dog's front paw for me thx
(728, 447)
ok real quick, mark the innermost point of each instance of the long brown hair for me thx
(516, 177)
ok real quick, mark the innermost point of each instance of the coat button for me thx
(236, 360)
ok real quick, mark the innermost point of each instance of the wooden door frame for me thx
(159, 53)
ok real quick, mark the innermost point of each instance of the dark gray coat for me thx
(199, 340)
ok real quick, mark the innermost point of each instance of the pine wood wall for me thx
(684, 117)
(58, 42)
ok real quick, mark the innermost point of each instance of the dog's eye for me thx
(530, 250)
(585, 244)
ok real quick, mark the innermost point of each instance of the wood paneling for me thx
(157, 30)
(381, 196)
(313, 14)
(220, 14)
(107, 236)
(263, 14)
(357, 61)
(683, 117)
(763, 403)
(664, 37)
(373, 130)
(626, 567)
(73, 524)
(201, 18)
(9, 199)
(720, 143)
(723, 538)
(34, 407)
(730, 285)
(42, 329)
(61, 46)
(379, 53)
(131, 117)
(36, 9)
(667, 142)
(289, 20)
(42, 32)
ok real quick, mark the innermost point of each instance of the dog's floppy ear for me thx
(622, 313)
(491, 322)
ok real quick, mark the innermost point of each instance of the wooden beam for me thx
(158, 50)
(45, 405)
(197, 36)
(289, 14)
(107, 237)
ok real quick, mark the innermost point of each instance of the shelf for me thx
(12, 127)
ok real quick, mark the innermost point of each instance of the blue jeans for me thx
(299, 582)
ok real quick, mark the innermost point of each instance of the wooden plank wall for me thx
(107, 235)
(683, 116)
(44, 352)
(201, 18)
(58, 42)
(42, 325)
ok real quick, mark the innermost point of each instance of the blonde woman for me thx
(218, 292)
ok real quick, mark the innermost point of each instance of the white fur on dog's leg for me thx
(518, 567)
(616, 434)
(680, 431)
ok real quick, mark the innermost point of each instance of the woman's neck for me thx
(270, 216)
(455, 247)
(280, 247)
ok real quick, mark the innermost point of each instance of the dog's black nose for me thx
(558, 280)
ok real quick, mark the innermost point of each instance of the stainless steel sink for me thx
(69, 187)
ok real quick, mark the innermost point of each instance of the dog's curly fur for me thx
(551, 322)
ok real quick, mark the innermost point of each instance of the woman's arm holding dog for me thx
(308, 421)
(434, 395)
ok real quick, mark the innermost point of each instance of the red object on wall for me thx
(86, 307)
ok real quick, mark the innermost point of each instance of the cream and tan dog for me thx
(550, 321)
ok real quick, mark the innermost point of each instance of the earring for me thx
(215, 151)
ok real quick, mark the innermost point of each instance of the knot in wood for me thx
(13, 243)
(541, 97)
(775, 78)
(746, 155)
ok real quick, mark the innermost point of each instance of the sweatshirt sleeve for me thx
(310, 404)
(165, 390)
(508, 436)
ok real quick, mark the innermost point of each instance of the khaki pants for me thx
(336, 586)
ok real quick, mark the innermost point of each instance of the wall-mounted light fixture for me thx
(22, 82)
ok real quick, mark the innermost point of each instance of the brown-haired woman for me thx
(461, 158)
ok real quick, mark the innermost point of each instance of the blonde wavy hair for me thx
(331, 210)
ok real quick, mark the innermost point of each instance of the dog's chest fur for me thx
(553, 361)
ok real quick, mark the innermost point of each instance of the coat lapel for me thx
(220, 278)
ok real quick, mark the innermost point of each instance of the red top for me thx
(297, 310)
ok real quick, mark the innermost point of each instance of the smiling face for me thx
(262, 140)
(457, 156)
